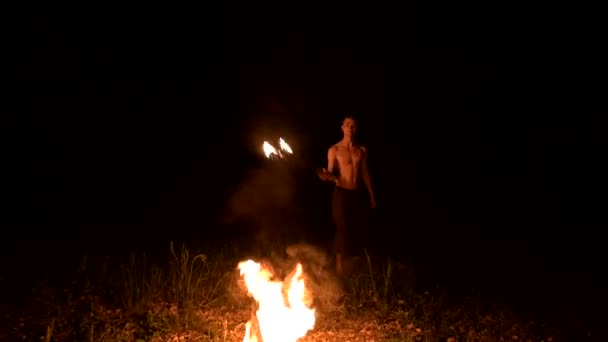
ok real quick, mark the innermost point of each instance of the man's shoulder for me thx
(362, 148)
(338, 145)
(333, 149)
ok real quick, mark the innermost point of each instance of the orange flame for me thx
(284, 146)
(281, 317)
(269, 149)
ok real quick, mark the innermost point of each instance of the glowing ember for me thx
(283, 311)
(271, 152)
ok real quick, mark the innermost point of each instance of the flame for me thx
(269, 149)
(282, 317)
(284, 146)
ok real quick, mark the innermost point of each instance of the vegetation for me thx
(198, 297)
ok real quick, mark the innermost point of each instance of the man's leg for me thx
(339, 218)
(339, 268)
(359, 224)
(340, 246)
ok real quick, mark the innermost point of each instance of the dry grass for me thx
(198, 297)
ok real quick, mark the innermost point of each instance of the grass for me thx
(196, 297)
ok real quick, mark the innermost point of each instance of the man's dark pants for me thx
(350, 212)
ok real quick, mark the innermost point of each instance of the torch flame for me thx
(281, 317)
(284, 146)
(269, 149)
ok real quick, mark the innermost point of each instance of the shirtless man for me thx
(348, 201)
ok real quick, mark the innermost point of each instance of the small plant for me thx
(381, 294)
(194, 280)
(141, 281)
(184, 298)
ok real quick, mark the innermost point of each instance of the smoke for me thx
(261, 208)
(263, 192)
(324, 286)
(264, 208)
(320, 279)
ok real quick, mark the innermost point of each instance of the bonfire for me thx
(284, 312)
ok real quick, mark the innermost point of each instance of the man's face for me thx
(349, 127)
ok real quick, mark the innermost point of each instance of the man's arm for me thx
(367, 178)
(328, 174)
(331, 159)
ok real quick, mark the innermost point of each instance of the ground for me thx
(200, 297)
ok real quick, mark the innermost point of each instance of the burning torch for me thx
(273, 153)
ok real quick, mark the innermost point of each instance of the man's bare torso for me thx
(348, 164)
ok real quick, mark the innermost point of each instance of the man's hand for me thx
(372, 203)
(325, 175)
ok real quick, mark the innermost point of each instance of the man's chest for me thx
(348, 156)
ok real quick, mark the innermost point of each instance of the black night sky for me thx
(487, 143)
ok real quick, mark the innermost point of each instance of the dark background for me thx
(487, 139)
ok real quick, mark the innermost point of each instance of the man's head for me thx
(349, 126)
